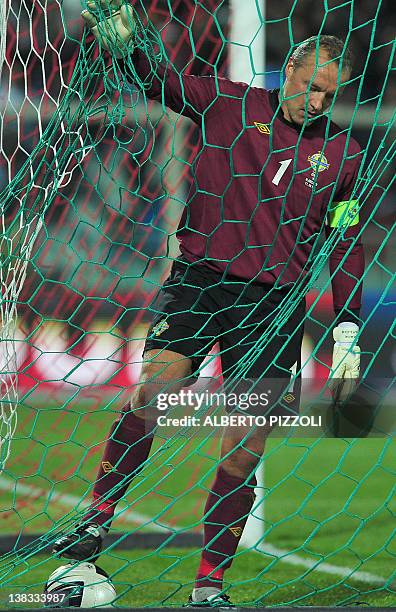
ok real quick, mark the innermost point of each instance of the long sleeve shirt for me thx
(263, 188)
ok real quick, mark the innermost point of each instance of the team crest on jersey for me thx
(160, 328)
(318, 163)
(263, 128)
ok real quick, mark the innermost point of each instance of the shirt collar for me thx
(278, 112)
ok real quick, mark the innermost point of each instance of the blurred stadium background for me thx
(104, 250)
(97, 251)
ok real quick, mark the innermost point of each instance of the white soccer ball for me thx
(79, 585)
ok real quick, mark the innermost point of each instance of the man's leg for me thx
(231, 497)
(126, 450)
(228, 506)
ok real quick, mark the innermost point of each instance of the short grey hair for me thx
(335, 48)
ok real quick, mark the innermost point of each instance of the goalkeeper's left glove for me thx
(345, 369)
(113, 25)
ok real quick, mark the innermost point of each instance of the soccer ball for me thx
(82, 585)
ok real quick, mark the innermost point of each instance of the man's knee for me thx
(162, 372)
(241, 455)
(241, 464)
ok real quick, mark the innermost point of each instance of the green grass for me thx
(326, 499)
(165, 577)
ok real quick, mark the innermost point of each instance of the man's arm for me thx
(190, 96)
(346, 284)
(346, 281)
(346, 277)
(113, 24)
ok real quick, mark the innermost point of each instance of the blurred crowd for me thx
(368, 26)
(194, 34)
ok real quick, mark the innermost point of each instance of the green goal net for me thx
(95, 179)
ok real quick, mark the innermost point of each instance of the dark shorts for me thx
(197, 307)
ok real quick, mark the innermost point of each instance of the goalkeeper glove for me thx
(345, 368)
(113, 25)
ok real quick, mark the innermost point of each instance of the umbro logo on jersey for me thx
(263, 128)
(107, 467)
(236, 531)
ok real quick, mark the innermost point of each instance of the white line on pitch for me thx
(320, 566)
(267, 549)
(73, 501)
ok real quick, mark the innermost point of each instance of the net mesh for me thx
(96, 178)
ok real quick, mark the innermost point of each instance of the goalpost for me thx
(94, 178)
(247, 42)
(247, 64)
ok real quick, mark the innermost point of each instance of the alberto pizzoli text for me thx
(241, 420)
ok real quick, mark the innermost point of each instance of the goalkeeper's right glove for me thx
(113, 25)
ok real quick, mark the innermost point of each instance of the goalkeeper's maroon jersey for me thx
(262, 186)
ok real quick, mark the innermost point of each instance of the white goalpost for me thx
(247, 41)
(247, 64)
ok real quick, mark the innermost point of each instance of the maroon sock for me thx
(227, 510)
(127, 448)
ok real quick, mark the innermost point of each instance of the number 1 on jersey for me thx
(283, 167)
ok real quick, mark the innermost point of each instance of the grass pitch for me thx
(328, 503)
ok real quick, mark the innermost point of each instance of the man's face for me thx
(309, 89)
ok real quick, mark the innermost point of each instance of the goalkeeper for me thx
(269, 165)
